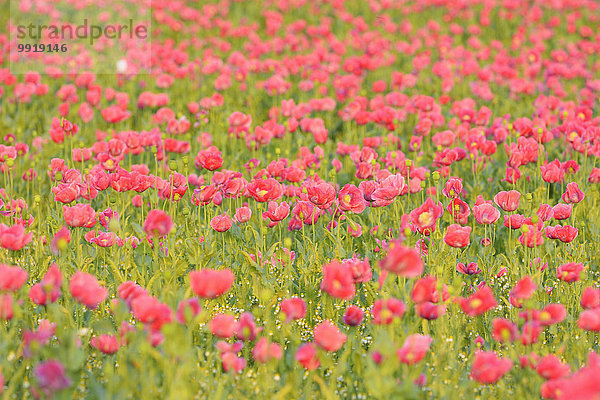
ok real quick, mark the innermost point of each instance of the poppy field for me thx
(303, 199)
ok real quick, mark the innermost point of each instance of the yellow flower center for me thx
(385, 314)
(425, 218)
(475, 303)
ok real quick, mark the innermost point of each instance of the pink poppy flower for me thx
(322, 195)
(14, 238)
(151, 311)
(264, 190)
(158, 224)
(307, 356)
(11, 278)
(293, 308)
(458, 236)
(386, 310)
(107, 344)
(351, 199)
(488, 368)
(531, 237)
(276, 213)
(51, 377)
(414, 349)
(424, 217)
(209, 159)
(479, 302)
(48, 290)
(508, 201)
(264, 351)
(115, 114)
(85, 289)
(569, 272)
(328, 336)
(523, 290)
(590, 298)
(353, 316)
(426, 289)
(485, 214)
(243, 214)
(221, 223)
(80, 215)
(6, 307)
(589, 320)
(550, 367)
(338, 281)
(504, 330)
(572, 193)
(562, 211)
(453, 188)
(402, 261)
(222, 326)
(246, 328)
(187, 310)
(211, 283)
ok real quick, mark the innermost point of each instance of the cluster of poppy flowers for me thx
(374, 184)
